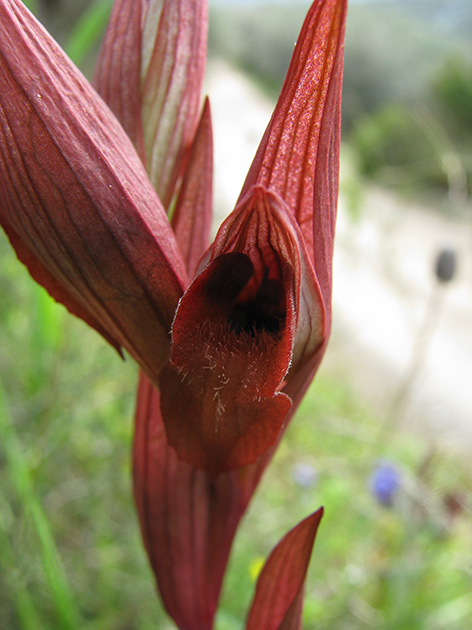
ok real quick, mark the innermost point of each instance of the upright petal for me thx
(278, 599)
(299, 155)
(191, 219)
(118, 72)
(188, 518)
(75, 199)
(150, 72)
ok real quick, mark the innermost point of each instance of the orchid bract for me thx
(106, 197)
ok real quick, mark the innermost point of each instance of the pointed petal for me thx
(188, 518)
(326, 182)
(278, 599)
(150, 72)
(118, 72)
(299, 155)
(75, 199)
(191, 220)
(172, 81)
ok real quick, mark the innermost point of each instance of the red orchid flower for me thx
(189, 515)
(252, 327)
(249, 331)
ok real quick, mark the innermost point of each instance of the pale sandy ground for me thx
(383, 280)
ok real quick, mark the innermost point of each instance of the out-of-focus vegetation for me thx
(407, 98)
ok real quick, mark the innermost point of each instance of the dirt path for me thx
(383, 280)
(389, 307)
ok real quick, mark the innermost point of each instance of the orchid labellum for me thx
(228, 335)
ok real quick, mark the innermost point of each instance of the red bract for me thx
(278, 599)
(188, 518)
(228, 336)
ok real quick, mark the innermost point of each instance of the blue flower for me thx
(384, 483)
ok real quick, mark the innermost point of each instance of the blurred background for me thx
(382, 440)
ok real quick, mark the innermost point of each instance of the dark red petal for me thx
(191, 219)
(75, 199)
(278, 599)
(218, 433)
(326, 182)
(188, 518)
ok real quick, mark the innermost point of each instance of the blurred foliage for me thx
(390, 136)
(259, 40)
(88, 30)
(390, 56)
(32, 5)
(452, 87)
(392, 145)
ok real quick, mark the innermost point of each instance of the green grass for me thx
(70, 552)
(88, 30)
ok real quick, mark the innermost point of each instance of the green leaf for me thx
(88, 30)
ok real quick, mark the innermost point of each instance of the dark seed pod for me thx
(446, 265)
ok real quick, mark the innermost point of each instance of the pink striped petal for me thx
(75, 199)
(150, 72)
(191, 219)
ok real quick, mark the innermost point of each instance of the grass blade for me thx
(88, 30)
(63, 601)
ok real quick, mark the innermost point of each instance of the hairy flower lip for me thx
(237, 330)
(251, 270)
(232, 342)
(311, 313)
